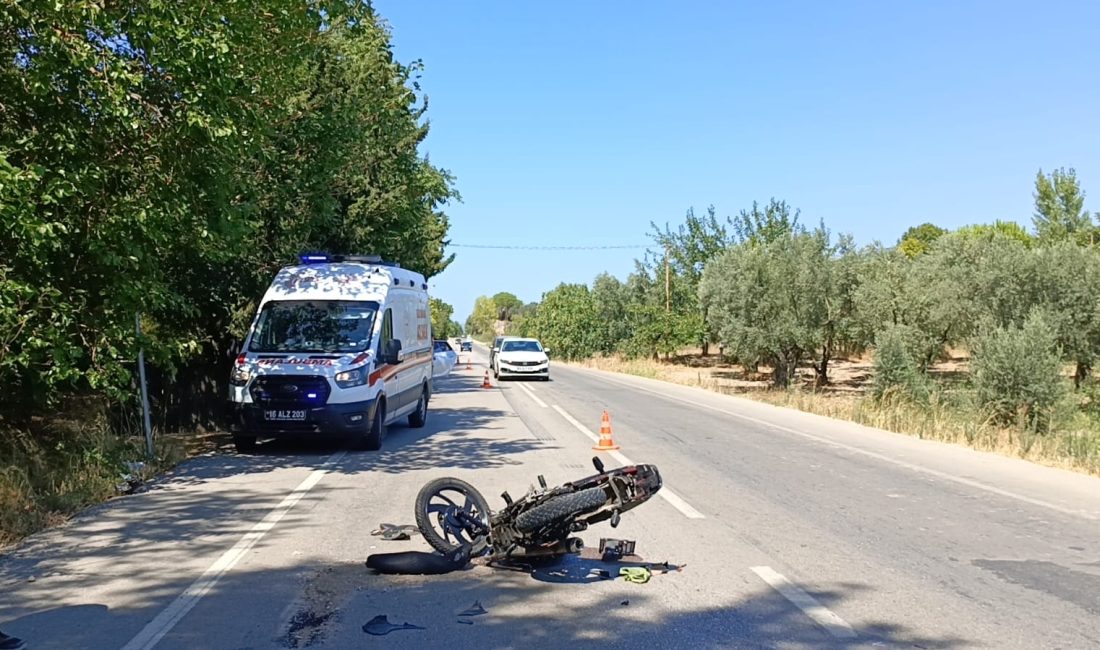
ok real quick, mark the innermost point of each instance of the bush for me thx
(896, 369)
(1017, 372)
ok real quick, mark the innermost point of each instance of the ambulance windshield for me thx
(314, 326)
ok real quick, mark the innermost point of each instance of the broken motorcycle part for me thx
(474, 610)
(390, 532)
(420, 563)
(380, 625)
(613, 549)
(451, 513)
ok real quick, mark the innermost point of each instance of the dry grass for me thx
(51, 468)
(1073, 443)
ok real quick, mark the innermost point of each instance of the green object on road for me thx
(638, 574)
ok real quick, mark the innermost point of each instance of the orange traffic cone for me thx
(485, 382)
(606, 443)
(467, 363)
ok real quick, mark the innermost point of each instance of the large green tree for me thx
(687, 249)
(165, 158)
(567, 321)
(1060, 213)
(768, 299)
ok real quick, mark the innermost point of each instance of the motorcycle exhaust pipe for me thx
(570, 545)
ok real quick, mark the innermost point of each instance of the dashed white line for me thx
(820, 614)
(870, 454)
(667, 494)
(532, 395)
(155, 630)
(580, 427)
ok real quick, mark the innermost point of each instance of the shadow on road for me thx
(338, 600)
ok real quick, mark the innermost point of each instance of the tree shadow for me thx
(330, 608)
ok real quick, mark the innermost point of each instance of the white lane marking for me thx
(152, 633)
(821, 615)
(580, 427)
(533, 396)
(870, 454)
(665, 493)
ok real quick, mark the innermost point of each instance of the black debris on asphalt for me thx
(474, 610)
(380, 625)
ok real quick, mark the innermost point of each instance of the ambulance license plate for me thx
(294, 415)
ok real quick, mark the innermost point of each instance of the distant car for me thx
(466, 346)
(496, 348)
(522, 358)
(444, 358)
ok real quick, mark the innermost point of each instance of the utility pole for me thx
(668, 285)
(144, 391)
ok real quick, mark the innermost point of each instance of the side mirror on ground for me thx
(391, 351)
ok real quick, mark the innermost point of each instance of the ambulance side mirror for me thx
(391, 351)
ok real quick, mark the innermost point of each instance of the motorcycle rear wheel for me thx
(437, 505)
(561, 508)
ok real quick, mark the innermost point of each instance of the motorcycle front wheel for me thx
(444, 509)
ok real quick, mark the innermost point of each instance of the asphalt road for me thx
(791, 531)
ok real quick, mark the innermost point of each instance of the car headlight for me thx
(350, 378)
(240, 375)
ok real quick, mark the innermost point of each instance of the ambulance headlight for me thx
(240, 375)
(350, 378)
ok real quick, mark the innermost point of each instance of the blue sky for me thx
(578, 123)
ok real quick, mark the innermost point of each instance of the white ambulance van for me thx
(340, 346)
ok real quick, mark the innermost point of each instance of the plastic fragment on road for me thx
(391, 532)
(474, 610)
(380, 626)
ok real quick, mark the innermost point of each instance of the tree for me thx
(611, 299)
(662, 313)
(767, 299)
(566, 321)
(1016, 372)
(758, 226)
(917, 239)
(895, 368)
(1060, 208)
(166, 158)
(441, 318)
(506, 305)
(839, 282)
(1009, 229)
(689, 248)
(482, 319)
(1065, 281)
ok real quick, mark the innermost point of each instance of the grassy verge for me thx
(53, 467)
(1072, 443)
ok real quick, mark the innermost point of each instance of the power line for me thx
(553, 248)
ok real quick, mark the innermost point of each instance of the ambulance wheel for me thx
(419, 417)
(244, 444)
(371, 439)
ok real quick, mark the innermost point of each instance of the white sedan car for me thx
(444, 358)
(521, 358)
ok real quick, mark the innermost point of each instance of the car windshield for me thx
(521, 346)
(314, 326)
(443, 346)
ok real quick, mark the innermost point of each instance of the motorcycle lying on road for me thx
(455, 519)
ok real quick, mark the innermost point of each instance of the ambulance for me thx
(340, 347)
